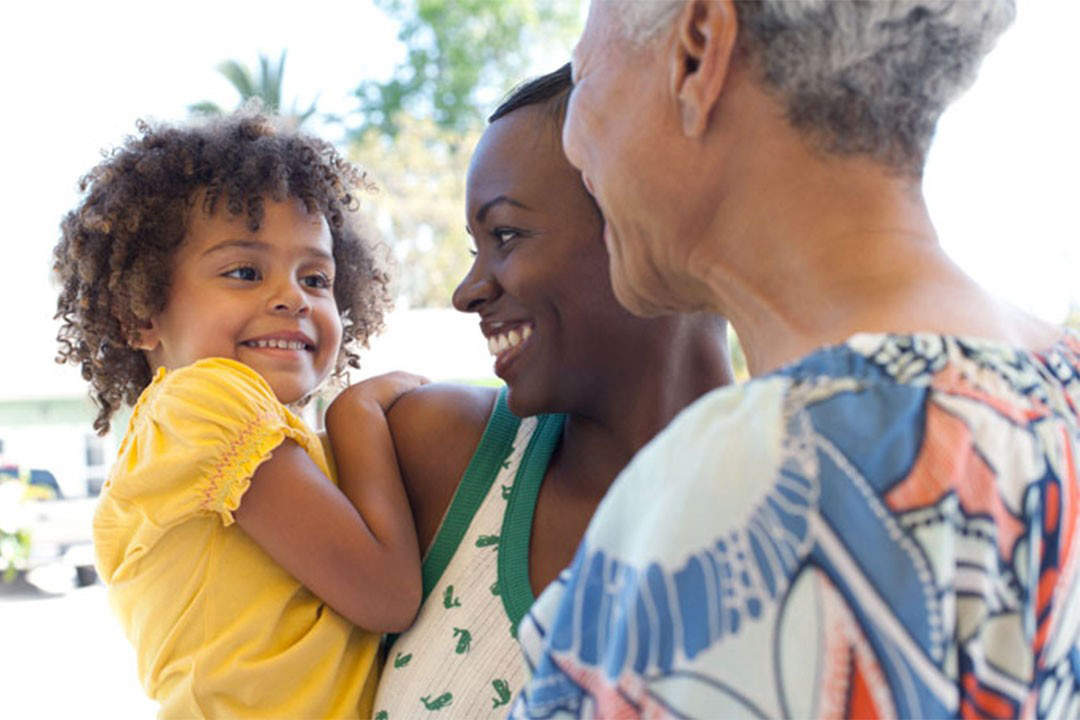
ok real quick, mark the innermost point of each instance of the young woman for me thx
(500, 503)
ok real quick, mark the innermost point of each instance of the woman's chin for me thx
(522, 402)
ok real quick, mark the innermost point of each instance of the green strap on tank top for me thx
(513, 563)
(495, 446)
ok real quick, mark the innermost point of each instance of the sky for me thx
(1001, 181)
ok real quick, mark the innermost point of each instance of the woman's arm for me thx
(353, 544)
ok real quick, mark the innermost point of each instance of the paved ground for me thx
(64, 656)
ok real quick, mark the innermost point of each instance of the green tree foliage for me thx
(263, 84)
(463, 54)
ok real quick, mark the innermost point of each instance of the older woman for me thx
(500, 502)
(881, 523)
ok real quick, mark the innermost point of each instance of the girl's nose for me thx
(289, 298)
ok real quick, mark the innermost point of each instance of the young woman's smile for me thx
(506, 341)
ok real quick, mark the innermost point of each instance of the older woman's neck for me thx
(804, 248)
(836, 246)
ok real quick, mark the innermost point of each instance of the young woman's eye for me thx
(504, 235)
(318, 280)
(242, 272)
(472, 250)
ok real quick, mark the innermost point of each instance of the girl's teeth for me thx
(279, 344)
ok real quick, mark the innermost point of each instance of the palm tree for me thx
(265, 85)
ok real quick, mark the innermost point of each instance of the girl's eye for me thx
(243, 272)
(504, 235)
(318, 280)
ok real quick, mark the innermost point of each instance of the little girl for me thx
(212, 277)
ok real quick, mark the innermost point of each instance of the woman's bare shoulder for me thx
(442, 405)
(436, 429)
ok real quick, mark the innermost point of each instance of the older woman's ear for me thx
(703, 47)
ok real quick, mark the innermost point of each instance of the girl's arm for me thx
(354, 544)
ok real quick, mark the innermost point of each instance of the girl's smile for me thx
(262, 297)
(287, 341)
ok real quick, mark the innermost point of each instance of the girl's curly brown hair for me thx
(114, 260)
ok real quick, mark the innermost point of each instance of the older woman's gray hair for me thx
(865, 77)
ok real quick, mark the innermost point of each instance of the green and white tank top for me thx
(461, 659)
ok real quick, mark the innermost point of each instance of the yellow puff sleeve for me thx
(196, 437)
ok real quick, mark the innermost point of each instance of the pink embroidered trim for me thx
(244, 452)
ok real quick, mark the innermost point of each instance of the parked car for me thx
(42, 483)
(40, 527)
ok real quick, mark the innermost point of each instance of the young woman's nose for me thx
(476, 288)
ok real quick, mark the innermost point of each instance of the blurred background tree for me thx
(419, 207)
(462, 55)
(263, 84)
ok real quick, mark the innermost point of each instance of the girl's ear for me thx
(146, 339)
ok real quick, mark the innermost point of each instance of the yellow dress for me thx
(220, 630)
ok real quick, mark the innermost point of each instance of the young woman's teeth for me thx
(498, 344)
(279, 344)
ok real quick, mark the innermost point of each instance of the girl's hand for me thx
(383, 390)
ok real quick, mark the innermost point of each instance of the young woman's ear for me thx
(703, 49)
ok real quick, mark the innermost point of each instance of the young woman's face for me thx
(540, 278)
(263, 298)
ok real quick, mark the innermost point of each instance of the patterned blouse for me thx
(886, 528)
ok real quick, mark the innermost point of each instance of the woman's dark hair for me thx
(114, 260)
(551, 93)
(551, 90)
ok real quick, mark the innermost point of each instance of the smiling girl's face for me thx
(540, 281)
(264, 298)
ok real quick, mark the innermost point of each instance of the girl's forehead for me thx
(252, 213)
(286, 223)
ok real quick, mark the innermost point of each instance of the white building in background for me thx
(46, 414)
(46, 421)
